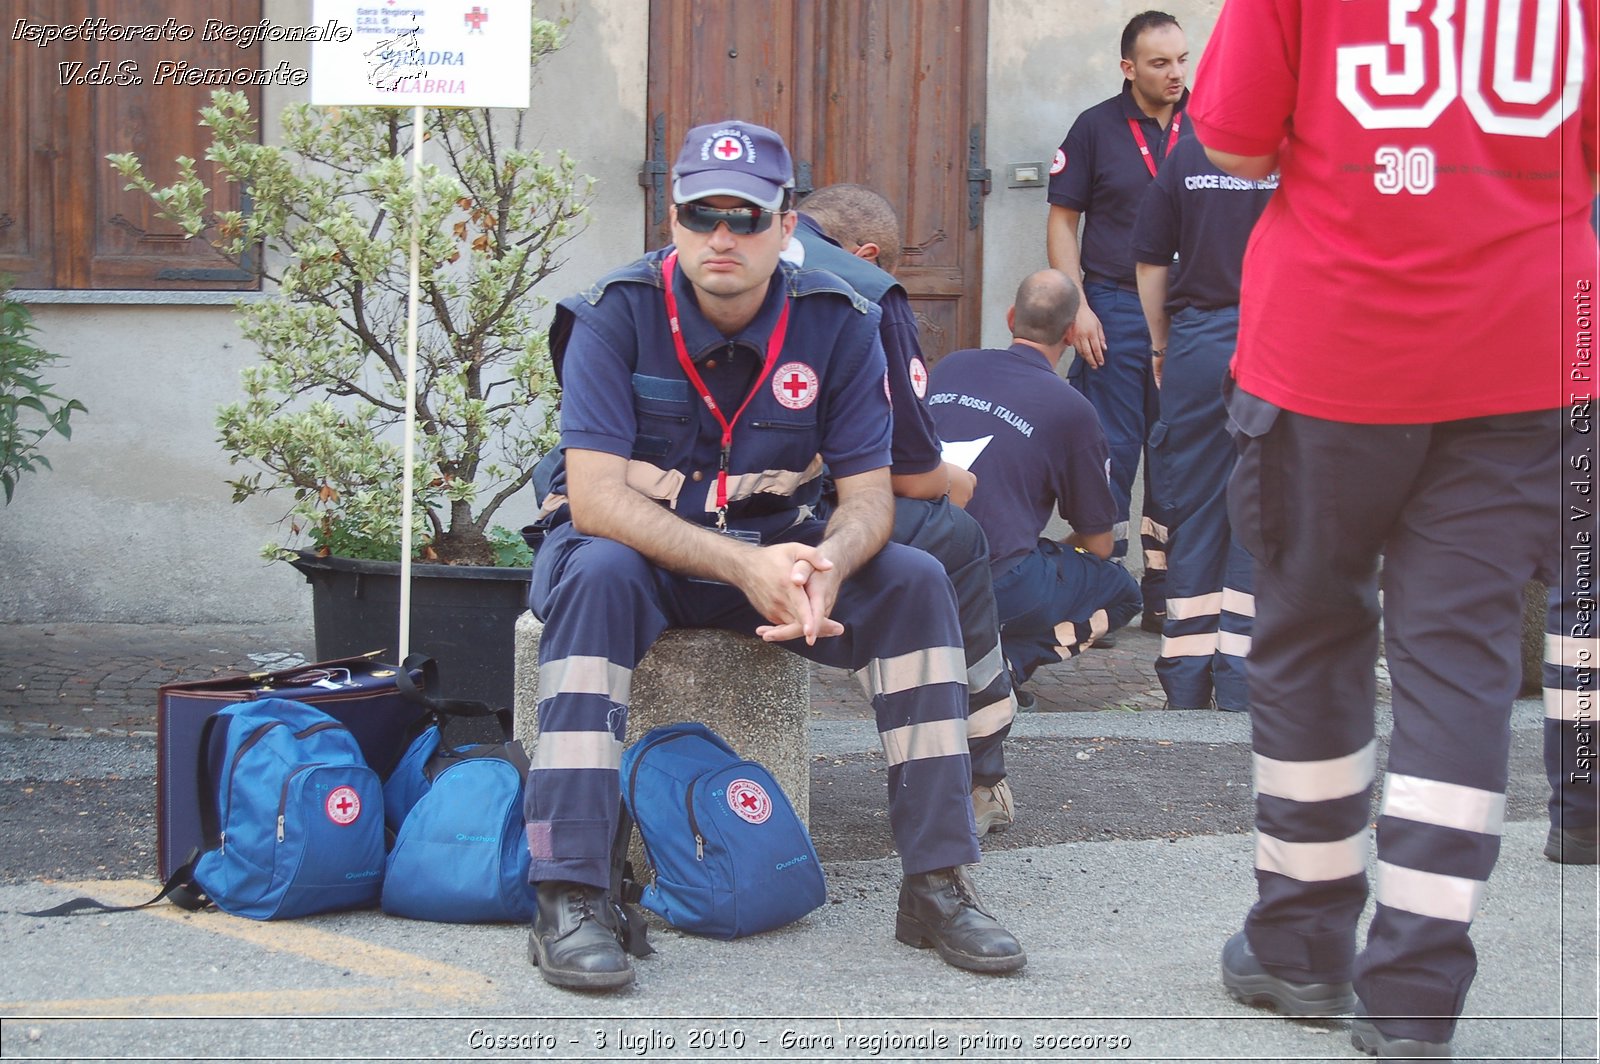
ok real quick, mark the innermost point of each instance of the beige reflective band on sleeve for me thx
(991, 718)
(918, 742)
(1571, 652)
(585, 675)
(1316, 781)
(1153, 529)
(1312, 862)
(1446, 805)
(1181, 609)
(770, 481)
(654, 482)
(1155, 559)
(1199, 645)
(1239, 602)
(1428, 893)
(889, 676)
(1561, 704)
(576, 749)
(1233, 644)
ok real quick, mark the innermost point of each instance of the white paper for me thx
(964, 452)
(429, 53)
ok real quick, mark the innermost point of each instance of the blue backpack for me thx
(292, 814)
(295, 813)
(731, 858)
(460, 850)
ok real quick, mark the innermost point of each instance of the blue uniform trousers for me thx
(1209, 603)
(1461, 513)
(1056, 601)
(603, 605)
(1571, 658)
(957, 542)
(1123, 393)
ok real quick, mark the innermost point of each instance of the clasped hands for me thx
(793, 585)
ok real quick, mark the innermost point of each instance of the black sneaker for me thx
(1153, 621)
(1365, 1036)
(1027, 701)
(1248, 983)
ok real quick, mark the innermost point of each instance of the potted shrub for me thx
(330, 224)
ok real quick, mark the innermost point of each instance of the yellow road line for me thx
(399, 973)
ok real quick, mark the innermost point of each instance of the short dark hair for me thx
(1144, 20)
(855, 214)
(1046, 304)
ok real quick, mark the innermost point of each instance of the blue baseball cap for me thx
(733, 159)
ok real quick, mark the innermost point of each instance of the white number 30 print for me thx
(1513, 87)
(1404, 170)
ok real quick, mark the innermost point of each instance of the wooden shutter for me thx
(83, 230)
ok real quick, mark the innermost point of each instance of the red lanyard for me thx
(774, 346)
(1144, 149)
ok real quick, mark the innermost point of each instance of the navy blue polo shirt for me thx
(1100, 171)
(1204, 216)
(1044, 447)
(915, 444)
(624, 393)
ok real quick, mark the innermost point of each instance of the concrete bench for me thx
(753, 694)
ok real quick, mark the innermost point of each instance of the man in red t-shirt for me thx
(1415, 318)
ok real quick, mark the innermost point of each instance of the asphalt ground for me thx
(1129, 866)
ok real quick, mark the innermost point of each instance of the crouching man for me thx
(705, 387)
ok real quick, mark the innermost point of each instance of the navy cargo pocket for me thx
(1158, 466)
(1255, 490)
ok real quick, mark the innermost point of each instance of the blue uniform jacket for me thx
(624, 393)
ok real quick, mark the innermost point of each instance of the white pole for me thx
(417, 130)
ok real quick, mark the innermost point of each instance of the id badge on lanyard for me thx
(774, 348)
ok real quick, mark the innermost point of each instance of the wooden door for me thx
(885, 93)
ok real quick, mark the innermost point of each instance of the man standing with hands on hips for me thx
(1100, 173)
(704, 388)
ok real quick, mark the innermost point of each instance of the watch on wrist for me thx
(1158, 352)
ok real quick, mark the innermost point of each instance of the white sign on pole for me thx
(424, 53)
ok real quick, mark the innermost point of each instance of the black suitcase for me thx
(359, 692)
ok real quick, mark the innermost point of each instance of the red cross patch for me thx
(475, 19)
(749, 800)
(727, 149)
(1059, 163)
(795, 385)
(919, 378)
(343, 805)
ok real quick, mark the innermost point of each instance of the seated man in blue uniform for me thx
(929, 493)
(705, 387)
(1035, 444)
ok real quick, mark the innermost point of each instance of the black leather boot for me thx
(574, 938)
(940, 910)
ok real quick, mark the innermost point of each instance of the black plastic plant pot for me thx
(463, 616)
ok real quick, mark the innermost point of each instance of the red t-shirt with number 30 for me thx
(1428, 255)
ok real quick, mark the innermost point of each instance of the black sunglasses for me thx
(741, 221)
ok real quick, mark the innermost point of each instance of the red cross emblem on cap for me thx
(795, 385)
(727, 149)
(919, 378)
